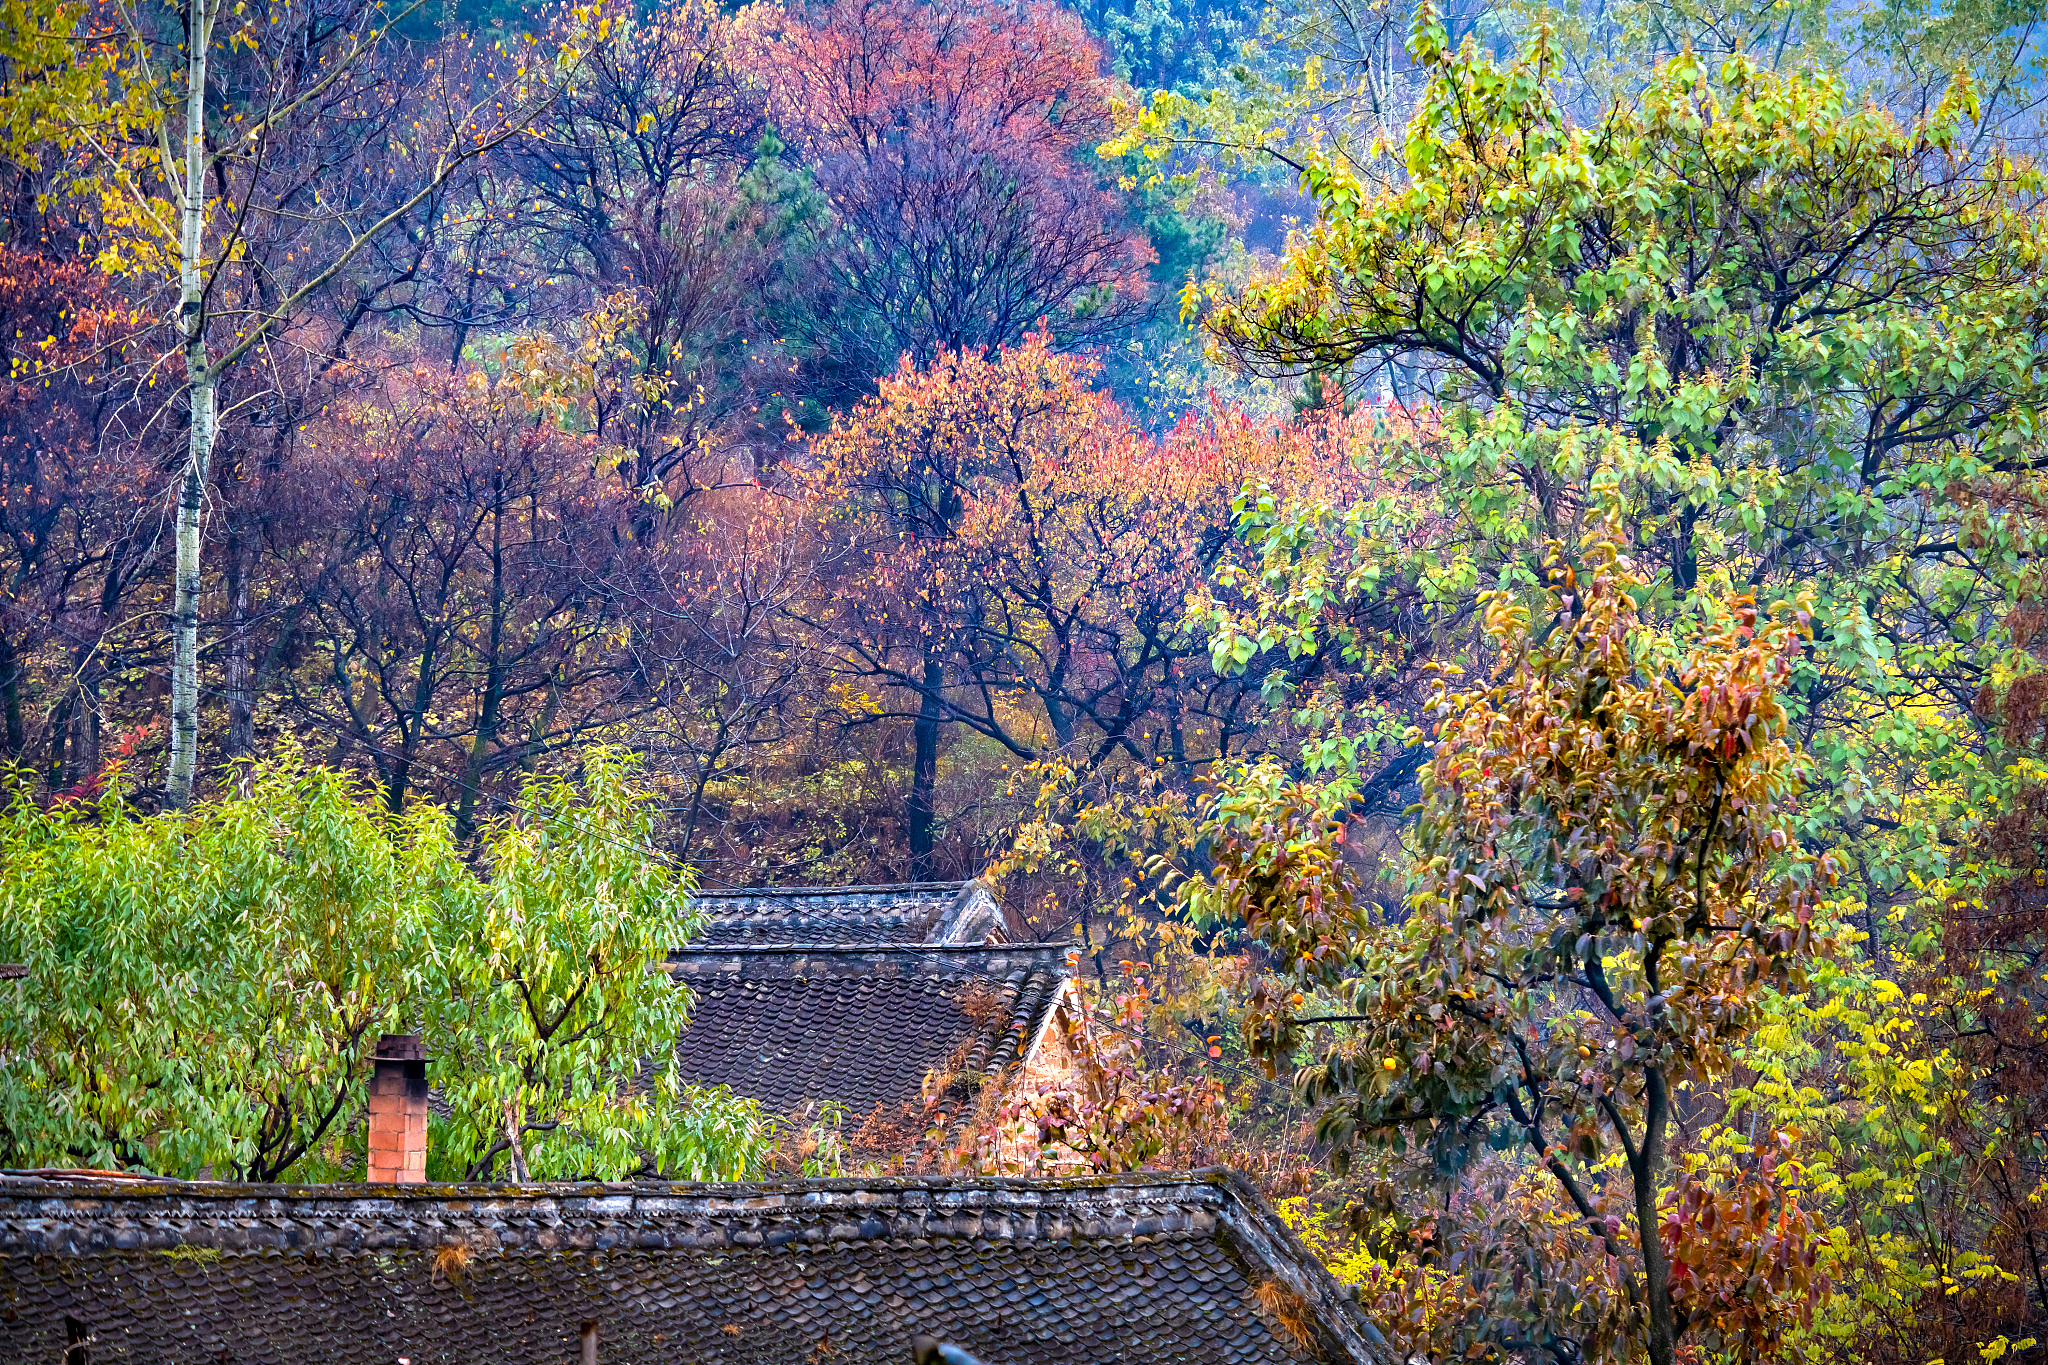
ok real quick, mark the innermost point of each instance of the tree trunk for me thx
(1179, 717)
(537, 732)
(90, 664)
(1686, 572)
(494, 689)
(88, 747)
(241, 669)
(60, 734)
(10, 697)
(1648, 1167)
(185, 606)
(924, 768)
(200, 383)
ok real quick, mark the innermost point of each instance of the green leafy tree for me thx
(1795, 331)
(1325, 82)
(202, 990)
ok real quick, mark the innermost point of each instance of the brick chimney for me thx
(398, 1111)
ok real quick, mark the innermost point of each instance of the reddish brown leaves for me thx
(949, 139)
(1603, 886)
(1744, 1252)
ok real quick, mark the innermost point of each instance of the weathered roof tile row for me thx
(954, 913)
(1134, 1268)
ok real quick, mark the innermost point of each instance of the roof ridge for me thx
(870, 949)
(151, 1187)
(876, 889)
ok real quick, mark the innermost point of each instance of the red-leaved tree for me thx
(1021, 554)
(952, 141)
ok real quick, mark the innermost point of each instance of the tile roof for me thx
(849, 916)
(862, 1026)
(1129, 1268)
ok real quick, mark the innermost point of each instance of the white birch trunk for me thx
(200, 383)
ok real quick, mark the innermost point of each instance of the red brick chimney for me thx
(398, 1111)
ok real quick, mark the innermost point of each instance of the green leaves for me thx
(560, 999)
(203, 990)
(1786, 340)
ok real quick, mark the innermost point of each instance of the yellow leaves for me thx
(851, 700)
(143, 236)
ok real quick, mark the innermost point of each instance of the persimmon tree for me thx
(1605, 882)
(1634, 291)
(1790, 333)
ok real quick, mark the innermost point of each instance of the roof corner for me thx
(973, 919)
(1348, 1334)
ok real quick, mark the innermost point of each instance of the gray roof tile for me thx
(848, 916)
(862, 1027)
(1129, 1268)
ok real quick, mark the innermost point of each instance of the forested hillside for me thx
(1486, 560)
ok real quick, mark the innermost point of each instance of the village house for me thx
(902, 1005)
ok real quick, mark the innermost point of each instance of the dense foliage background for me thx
(1484, 559)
